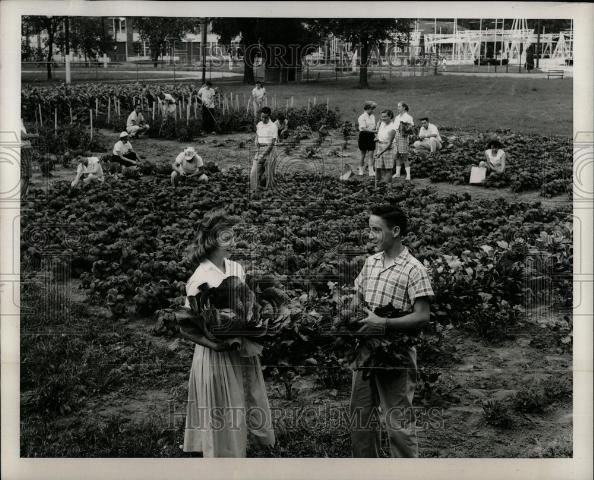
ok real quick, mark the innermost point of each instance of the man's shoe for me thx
(371, 172)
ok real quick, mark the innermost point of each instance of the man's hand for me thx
(373, 324)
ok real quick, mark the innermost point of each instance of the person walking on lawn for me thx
(264, 161)
(390, 276)
(258, 97)
(366, 142)
(429, 138)
(90, 167)
(207, 97)
(384, 158)
(136, 125)
(123, 153)
(404, 128)
(187, 164)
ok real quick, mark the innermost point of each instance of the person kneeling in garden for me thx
(186, 165)
(390, 277)
(90, 168)
(429, 138)
(123, 153)
(136, 125)
(264, 162)
(494, 157)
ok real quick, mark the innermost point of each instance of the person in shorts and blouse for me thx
(384, 157)
(366, 141)
(403, 123)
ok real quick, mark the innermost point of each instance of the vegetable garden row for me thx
(488, 261)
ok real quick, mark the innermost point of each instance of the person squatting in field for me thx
(384, 158)
(392, 275)
(187, 164)
(404, 124)
(366, 140)
(136, 125)
(226, 391)
(282, 125)
(429, 138)
(89, 168)
(123, 153)
(494, 157)
(264, 161)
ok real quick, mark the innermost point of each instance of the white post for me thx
(68, 76)
(104, 60)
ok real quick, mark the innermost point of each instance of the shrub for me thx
(497, 414)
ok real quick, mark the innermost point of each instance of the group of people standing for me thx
(387, 141)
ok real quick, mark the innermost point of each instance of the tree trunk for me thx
(50, 48)
(248, 66)
(363, 68)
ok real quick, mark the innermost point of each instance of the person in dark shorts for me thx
(366, 142)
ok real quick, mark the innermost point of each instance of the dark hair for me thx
(494, 143)
(404, 105)
(281, 116)
(260, 82)
(389, 113)
(424, 118)
(213, 228)
(392, 215)
(209, 83)
(266, 110)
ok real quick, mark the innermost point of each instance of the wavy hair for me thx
(214, 228)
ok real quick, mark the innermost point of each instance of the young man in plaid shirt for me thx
(393, 276)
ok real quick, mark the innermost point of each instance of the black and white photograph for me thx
(298, 236)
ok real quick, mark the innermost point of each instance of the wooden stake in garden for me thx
(327, 104)
(70, 110)
(108, 110)
(96, 106)
(247, 109)
(91, 117)
(292, 101)
(55, 121)
(40, 117)
(188, 115)
(308, 105)
(315, 101)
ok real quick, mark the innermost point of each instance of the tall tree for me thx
(366, 33)
(38, 25)
(86, 35)
(158, 30)
(281, 41)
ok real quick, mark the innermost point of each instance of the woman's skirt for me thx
(386, 160)
(226, 400)
(402, 143)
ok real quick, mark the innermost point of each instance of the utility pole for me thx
(537, 42)
(203, 48)
(67, 49)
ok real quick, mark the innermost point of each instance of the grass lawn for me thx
(524, 105)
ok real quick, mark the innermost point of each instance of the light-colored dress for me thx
(226, 391)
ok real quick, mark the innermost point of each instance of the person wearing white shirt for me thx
(494, 157)
(404, 124)
(187, 164)
(429, 138)
(264, 161)
(384, 159)
(90, 167)
(207, 96)
(168, 105)
(258, 96)
(366, 141)
(136, 125)
(123, 153)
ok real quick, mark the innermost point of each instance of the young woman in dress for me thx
(494, 157)
(226, 392)
(403, 122)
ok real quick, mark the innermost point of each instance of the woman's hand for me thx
(373, 324)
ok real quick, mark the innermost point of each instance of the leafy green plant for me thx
(496, 413)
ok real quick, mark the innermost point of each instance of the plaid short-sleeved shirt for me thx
(399, 283)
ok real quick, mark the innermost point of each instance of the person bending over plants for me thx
(187, 164)
(123, 153)
(391, 277)
(226, 384)
(90, 169)
(282, 125)
(494, 157)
